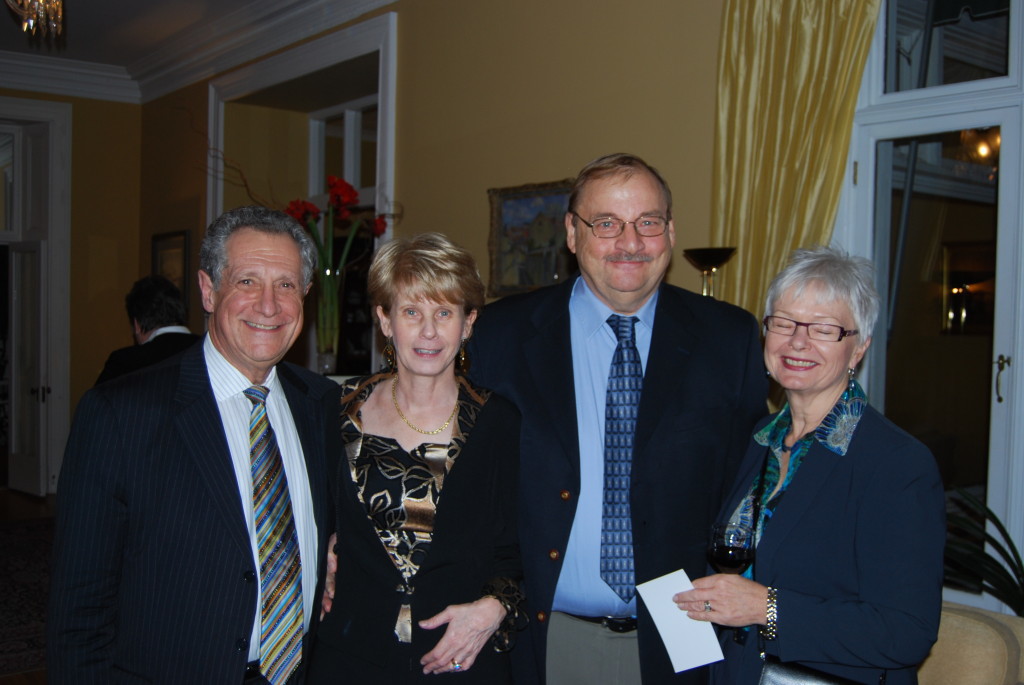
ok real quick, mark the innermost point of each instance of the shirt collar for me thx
(166, 329)
(834, 432)
(228, 381)
(592, 314)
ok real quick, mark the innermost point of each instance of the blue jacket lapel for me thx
(667, 361)
(808, 485)
(550, 353)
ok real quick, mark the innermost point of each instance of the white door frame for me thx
(56, 237)
(378, 34)
(994, 102)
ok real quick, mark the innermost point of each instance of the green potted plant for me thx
(968, 562)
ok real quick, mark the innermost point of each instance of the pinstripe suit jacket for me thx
(153, 574)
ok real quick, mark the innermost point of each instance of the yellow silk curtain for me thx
(788, 76)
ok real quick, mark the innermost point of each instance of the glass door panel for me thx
(28, 394)
(940, 247)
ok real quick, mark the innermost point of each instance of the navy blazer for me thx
(153, 576)
(704, 387)
(855, 552)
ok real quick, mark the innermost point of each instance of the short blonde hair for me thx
(428, 266)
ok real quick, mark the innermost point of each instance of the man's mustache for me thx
(627, 257)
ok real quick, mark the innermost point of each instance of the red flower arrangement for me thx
(342, 197)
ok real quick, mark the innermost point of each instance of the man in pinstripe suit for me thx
(155, 571)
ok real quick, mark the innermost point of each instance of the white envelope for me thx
(689, 643)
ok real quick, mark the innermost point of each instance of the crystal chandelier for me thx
(44, 15)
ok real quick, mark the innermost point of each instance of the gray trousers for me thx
(583, 653)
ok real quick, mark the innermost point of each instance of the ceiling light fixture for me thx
(43, 15)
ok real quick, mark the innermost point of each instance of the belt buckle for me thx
(619, 625)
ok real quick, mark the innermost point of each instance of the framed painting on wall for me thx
(527, 240)
(170, 260)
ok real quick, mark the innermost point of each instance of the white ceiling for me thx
(137, 50)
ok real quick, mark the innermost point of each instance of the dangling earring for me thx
(850, 372)
(461, 360)
(389, 355)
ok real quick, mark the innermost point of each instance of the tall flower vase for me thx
(326, 363)
(328, 323)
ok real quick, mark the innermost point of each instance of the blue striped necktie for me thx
(280, 566)
(625, 381)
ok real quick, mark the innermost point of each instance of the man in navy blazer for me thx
(156, 576)
(703, 388)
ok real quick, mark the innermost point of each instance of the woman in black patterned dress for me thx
(428, 569)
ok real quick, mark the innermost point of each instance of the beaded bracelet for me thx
(770, 630)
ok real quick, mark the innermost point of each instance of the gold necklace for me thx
(394, 398)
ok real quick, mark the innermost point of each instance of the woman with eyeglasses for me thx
(846, 508)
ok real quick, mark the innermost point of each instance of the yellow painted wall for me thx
(495, 95)
(172, 167)
(270, 147)
(489, 95)
(502, 94)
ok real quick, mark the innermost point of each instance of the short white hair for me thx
(836, 276)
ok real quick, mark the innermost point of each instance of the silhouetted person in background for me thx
(157, 316)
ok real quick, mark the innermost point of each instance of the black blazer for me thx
(153, 577)
(128, 359)
(855, 552)
(704, 387)
(474, 540)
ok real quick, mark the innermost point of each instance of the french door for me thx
(932, 196)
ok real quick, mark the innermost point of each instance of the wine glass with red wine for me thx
(731, 548)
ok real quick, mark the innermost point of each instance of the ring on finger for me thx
(707, 605)
(456, 666)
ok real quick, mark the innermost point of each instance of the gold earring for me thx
(462, 360)
(389, 355)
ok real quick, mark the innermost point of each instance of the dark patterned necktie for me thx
(280, 566)
(625, 380)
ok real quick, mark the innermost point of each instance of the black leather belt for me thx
(615, 624)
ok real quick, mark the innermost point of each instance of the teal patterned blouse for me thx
(834, 433)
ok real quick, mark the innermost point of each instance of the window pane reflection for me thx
(968, 41)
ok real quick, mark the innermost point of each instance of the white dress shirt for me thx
(229, 385)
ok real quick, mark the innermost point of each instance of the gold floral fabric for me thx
(400, 489)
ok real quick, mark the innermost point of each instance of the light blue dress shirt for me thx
(580, 589)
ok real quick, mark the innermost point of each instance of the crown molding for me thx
(262, 27)
(42, 74)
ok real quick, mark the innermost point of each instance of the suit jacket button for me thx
(243, 644)
(542, 616)
(249, 577)
(553, 555)
(564, 494)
